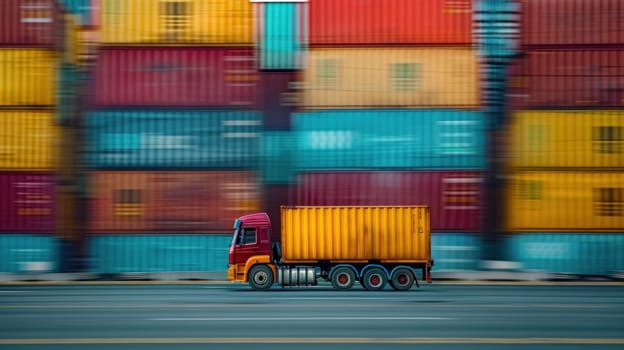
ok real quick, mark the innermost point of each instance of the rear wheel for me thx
(402, 279)
(343, 278)
(374, 279)
(261, 277)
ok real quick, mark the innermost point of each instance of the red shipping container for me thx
(455, 197)
(390, 22)
(279, 98)
(31, 23)
(176, 76)
(568, 78)
(27, 202)
(170, 202)
(572, 22)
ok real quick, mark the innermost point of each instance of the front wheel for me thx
(261, 277)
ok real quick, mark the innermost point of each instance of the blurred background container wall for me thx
(456, 251)
(369, 77)
(28, 253)
(566, 77)
(86, 11)
(575, 138)
(277, 157)
(577, 253)
(127, 253)
(281, 32)
(28, 202)
(365, 139)
(31, 23)
(176, 22)
(28, 140)
(350, 22)
(455, 197)
(280, 97)
(572, 22)
(28, 77)
(176, 76)
(566, 201)
(169, 139)
(170, 202)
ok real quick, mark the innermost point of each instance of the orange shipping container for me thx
(556, 139)
(391, 77)
(170, 202)
(390, 22)
(566, 201)
(28, 140)
(220, 22)
(28, 77)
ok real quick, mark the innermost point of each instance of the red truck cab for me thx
(251, 244)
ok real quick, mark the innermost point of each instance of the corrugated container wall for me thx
(281, 35)
(455, 197)
(355, 233)
(28, 140)
(28, 77)
(568, 78)
(566, 201)
(31, 23)
(572, 22)
(170, 202)
(28, 202)
(413, 139)
(391, 77)
(163, 139)
(176, 76)
(214, 22)
(390, 22)
(581, 138)
(87, 11)
(278, 152)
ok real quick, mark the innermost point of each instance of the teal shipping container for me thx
(115, 254)
(173, 139)
(86, 10)
(67, 102)
(28, 253)
(281, 35)
(399, 139)
(590, 254)
(276, 161)
(456, 251)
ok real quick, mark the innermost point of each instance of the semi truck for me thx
(375, 245)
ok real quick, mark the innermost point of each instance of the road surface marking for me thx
(297, 318)
(65, 341)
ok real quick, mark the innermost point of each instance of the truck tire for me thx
(402, 279)
(343, 278)
(374, 279)
(261, 277)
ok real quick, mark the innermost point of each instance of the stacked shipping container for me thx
(31, 38)
(173, 132)
(567, 137)
(390, 114)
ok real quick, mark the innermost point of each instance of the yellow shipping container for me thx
(355, 233)
(567, 139)
(28, 77)
(565, 201)
(391, 77)
(28, 140)
(176, 22)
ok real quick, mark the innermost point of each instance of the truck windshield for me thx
(235, 236)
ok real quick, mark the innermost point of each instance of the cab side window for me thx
(248, 236)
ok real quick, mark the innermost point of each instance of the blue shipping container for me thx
(568, 253)
(28, 253)
(113, 254)
(405, 139)
(282, 35)
(278, 148)
(173, 139)
(456, 251)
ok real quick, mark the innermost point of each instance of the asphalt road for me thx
(224, 316)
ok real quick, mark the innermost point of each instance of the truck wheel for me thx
(402, 279)
(260, 277)
(374, 279)
(343, 278)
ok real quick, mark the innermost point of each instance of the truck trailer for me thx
(375, 245)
